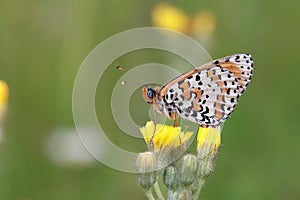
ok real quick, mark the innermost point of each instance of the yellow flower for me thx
(208, 140)
(165, 137)
(3, 97)
(167, 16)
(204, 23)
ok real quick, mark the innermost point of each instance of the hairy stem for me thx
(201, 182)
(158, 192)
(149, 194)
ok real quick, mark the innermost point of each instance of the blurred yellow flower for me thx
(4, 91)
(165, 137)
(167, 16)
(204, 23)
(208, 139)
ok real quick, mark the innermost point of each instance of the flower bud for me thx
(189, 169)
(170, 178)
(145, 168)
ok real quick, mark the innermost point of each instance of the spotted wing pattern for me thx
(208, 94)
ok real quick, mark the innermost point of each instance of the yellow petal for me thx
(148, 130)
(3, 93)
(165, 137)
(208, 137)
(4, 90)
(167, 16)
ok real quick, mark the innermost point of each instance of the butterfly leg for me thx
(154, 122)
(173, 116)
(176, 122)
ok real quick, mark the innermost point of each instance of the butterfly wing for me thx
(208, 94)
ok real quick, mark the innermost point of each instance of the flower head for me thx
(165, 137)
(184, 174)
(167, 16)
(202, 24)
(208, 141)
(3, 97)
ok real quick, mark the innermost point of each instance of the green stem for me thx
(158, 192)
(201, 182)
(149, 194)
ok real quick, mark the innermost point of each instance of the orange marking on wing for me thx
(241, 82)
(228, 65)
(184, 85)
(211, 72)
(218, 106)
(196, 106)
(190, 73)
(218, 81)
(235, 69)
(220, 84)
(224, 90)
(164, 89)
(240, 76)
(218, 115)
(186, 95)
(215, 78)
(220, 98)
(198, 93)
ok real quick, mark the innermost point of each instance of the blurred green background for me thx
(43, 43)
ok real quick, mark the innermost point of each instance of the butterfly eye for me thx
(150, 93)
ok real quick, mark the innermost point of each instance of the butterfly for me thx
(207, 95)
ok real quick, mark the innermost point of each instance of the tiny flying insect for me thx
(118, 67)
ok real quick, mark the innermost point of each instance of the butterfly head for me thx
(149, 94)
